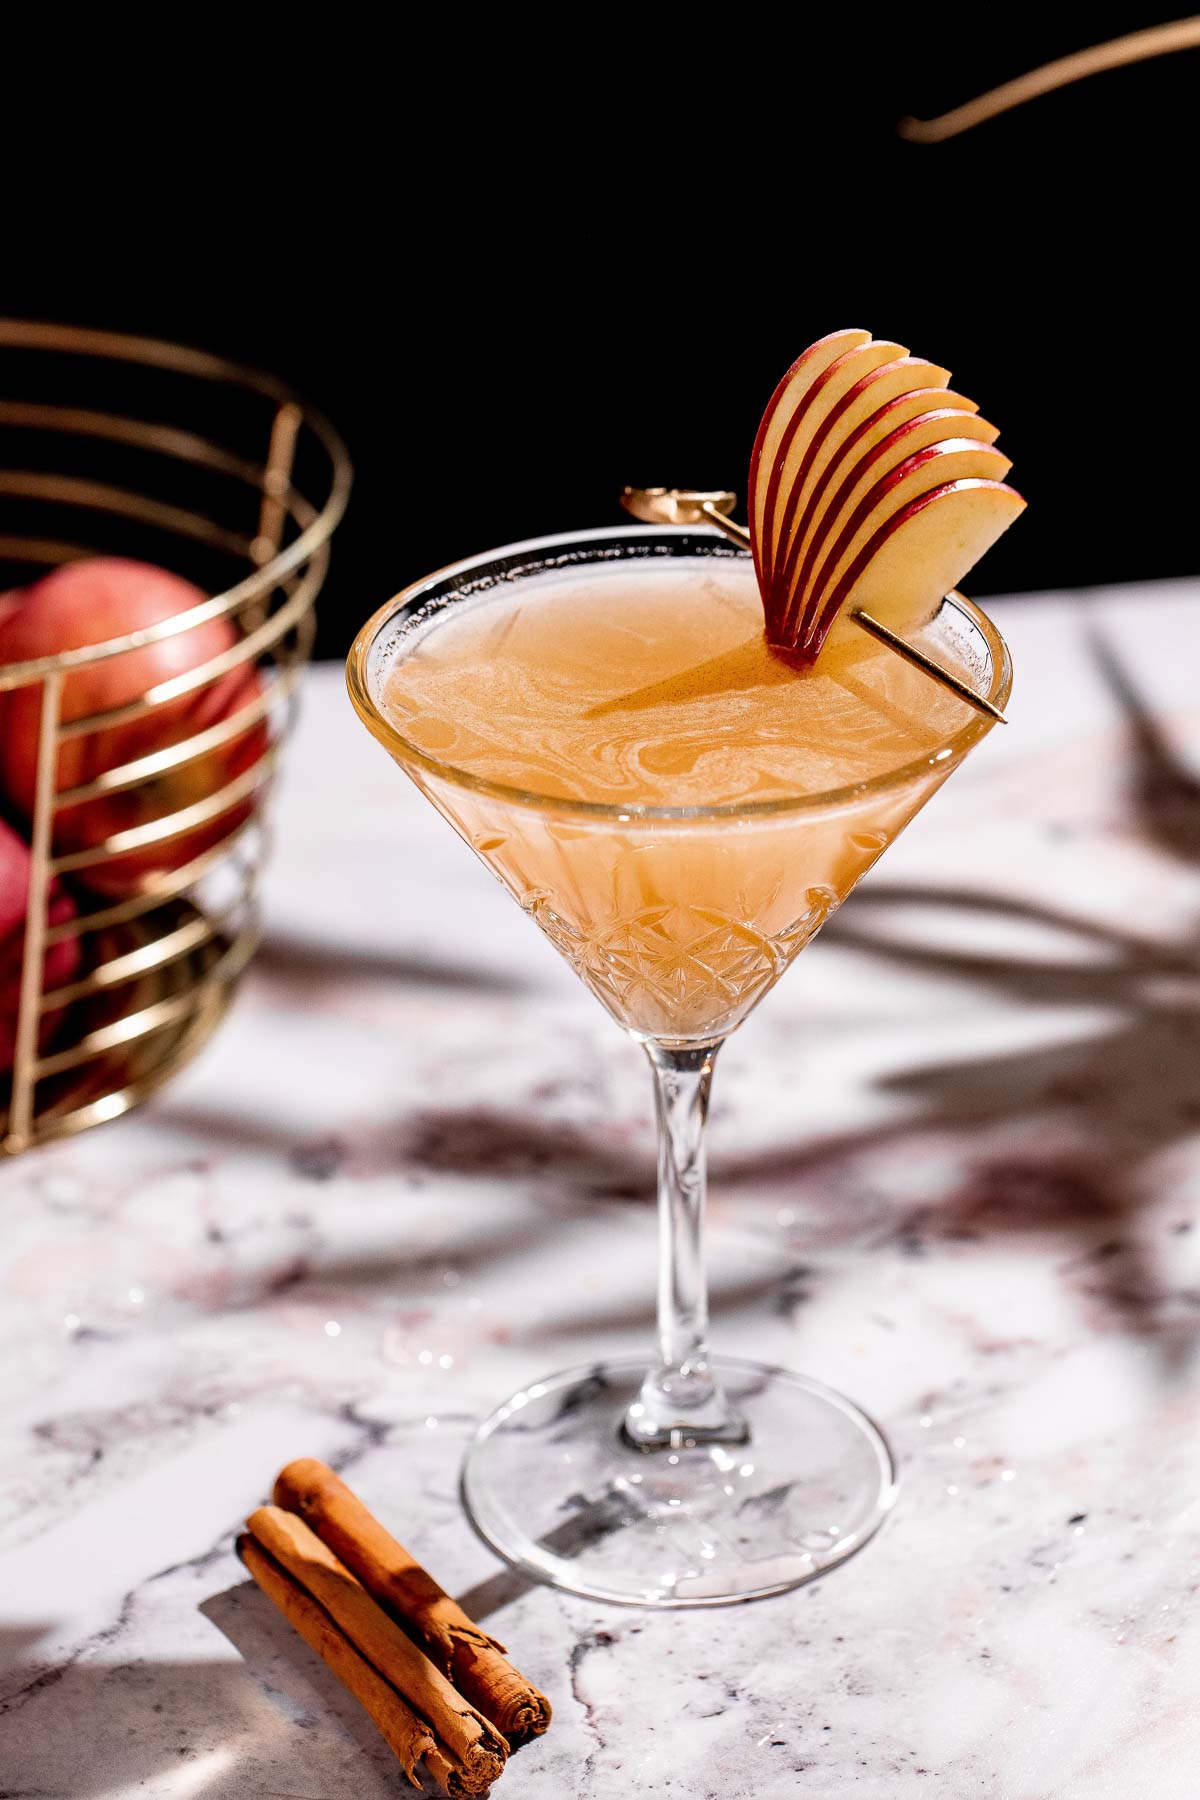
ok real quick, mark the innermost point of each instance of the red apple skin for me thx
(917, 366)
(931, 458)
(772, 492)
(811, 646)
(757, 473)
(62, 960)
(846, 465)
(89, 602)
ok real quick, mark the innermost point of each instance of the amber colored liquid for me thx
(648, 683)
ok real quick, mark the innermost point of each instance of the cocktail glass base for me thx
(552, 1483)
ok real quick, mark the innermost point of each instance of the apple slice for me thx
(925, 430)
(830, 469)
(901, 575)
(950, 459)
(820, 400)
(815, 447)
(788, 396)
(847, 446)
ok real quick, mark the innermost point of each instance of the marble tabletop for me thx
(956, 1172)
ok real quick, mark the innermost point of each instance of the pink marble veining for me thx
(956, 1168)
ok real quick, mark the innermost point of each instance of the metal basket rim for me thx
(150, 352)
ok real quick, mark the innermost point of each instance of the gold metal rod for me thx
(176, 824)
(222, 606)
(287, 658)
(128, 965)
(25, 1049)
(119, 969)
(918, 658)
(301, 558)
(317, 527)
(44, 550)
(134, 1026)
(272, 512)
(169, 440)
(243, 652)
(1117, 53)
(166, 885)
(172, 965)
(157, 762)
(61, 1119)
(155, 353)
(276, 483)
(74, 490)
(737, 534)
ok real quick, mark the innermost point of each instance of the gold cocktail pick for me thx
(696, 506)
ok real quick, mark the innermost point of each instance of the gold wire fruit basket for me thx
(129, 447)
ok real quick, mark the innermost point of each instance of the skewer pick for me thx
(696, 506)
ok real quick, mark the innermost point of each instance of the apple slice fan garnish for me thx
(873, 491)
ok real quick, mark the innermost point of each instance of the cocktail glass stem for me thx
(681, 1402)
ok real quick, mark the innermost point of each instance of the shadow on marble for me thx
(1151, 1053)
(1131, 1090)
(217, 1729)
(310, 960)
(1126, 1093)
(494, 1593)
(485, 1141)
(636, 1312)
(266, 1643)
(276, 1661)
(593, 1521)
(572, 1171)
(18, 1663)
(1165, 793)
(467, 1141)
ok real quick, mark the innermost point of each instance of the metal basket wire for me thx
(232, 481)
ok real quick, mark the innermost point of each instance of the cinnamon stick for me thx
(474, 1749)
(475, 1662)
(408, 1737)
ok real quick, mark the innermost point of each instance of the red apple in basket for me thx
(86, 603)
(62, 960)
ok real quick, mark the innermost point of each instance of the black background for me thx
(519, 266)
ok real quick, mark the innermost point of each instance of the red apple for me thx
(830, 416)
(86, 603)
(786, 471)
(61, 962)
(948, 459)
(789, 395)
(853, 461)
(940, 431)
(917, 556)
(854, 443)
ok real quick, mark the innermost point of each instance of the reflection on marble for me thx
(956, 1160)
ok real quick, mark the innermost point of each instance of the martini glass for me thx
(687, 1479)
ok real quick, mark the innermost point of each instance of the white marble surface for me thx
(956, 1161)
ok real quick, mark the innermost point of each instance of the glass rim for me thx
(952, 750)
